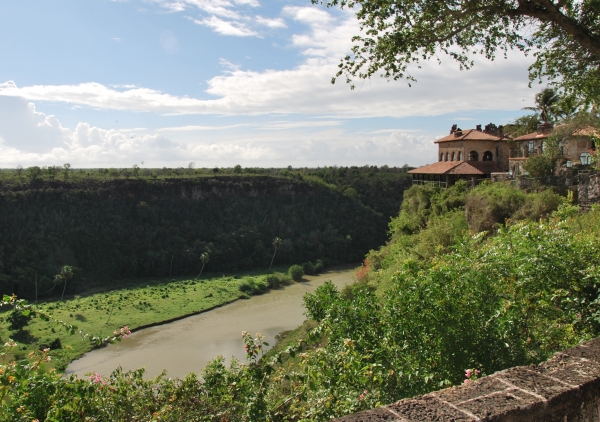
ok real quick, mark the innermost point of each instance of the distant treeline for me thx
(148, 227)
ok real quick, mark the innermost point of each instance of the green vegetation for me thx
(437, 299)
(564, 38)
(296, 272)
(108, 228)
(153, 302)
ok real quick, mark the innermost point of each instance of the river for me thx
(189, 344)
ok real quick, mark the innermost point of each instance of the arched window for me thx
(487, 156)
(442, 156)
(473, 156)
(459, 155)
(447, 156)
(585, 158)
(452, 156)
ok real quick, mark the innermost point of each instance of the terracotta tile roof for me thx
(587, 131)
(469, 135)
(532, 136)
(459, 167)
(441, 167)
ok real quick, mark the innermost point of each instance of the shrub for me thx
(18, 319)
(491, 204)
(308, 268)
(253, 286)
(296, 272)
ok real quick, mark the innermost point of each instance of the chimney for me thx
(478, 128)
(453, 129)
(545, 128)
(501, 131)
(458, 132)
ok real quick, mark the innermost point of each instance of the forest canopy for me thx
(563, 36)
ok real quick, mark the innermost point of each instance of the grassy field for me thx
(136, 306)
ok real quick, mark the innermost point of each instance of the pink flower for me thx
(468, 372)
(477, 371)
(466, 381)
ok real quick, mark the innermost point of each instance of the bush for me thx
(309, 268)
(491, 204)
(296, 272)
(539, 166)
(276, 280)
(18, 319)
(253, 286)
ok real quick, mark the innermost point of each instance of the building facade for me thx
(466, 154)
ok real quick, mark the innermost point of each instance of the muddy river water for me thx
(189, 344)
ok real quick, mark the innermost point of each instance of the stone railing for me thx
(564, 388)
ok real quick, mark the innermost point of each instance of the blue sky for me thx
(112, 83)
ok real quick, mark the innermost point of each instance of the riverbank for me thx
(157, 302)
(190, 344)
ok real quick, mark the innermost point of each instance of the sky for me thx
(163, 83)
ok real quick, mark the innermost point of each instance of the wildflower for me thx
(11, 379)
(468, 373)
(244, 333)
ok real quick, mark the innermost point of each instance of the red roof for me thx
(475, 168)
(532, 136)
(469, 135)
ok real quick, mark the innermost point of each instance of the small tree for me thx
(135, 170)
(67, 168)
(204, 258)
(18, 319)
(539, 166)
(34, 172)
(277, 242)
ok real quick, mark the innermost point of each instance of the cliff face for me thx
(133, 228)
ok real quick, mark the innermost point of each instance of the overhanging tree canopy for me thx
(564, 36)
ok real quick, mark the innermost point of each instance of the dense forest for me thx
(137, 225)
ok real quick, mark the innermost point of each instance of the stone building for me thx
(572, 151)
(466, 154)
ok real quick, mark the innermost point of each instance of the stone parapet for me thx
(566, 388)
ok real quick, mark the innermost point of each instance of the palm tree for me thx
(66, 273)
(545, 103)
(204, 258)
(568, 107)
(277, 242)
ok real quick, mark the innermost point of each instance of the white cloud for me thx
(271, 23)
(306, 88)
(275, 143)
(224, 27)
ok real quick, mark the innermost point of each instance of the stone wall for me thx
(588, 191)
(566, 388)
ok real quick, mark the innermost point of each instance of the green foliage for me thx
(486, 302)
(318, 304)
(490, 205)
(18, 319)
(396, 35)
(253, 286)
(143, 228)
(296, 272)
(523, 125)
(539, 166)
